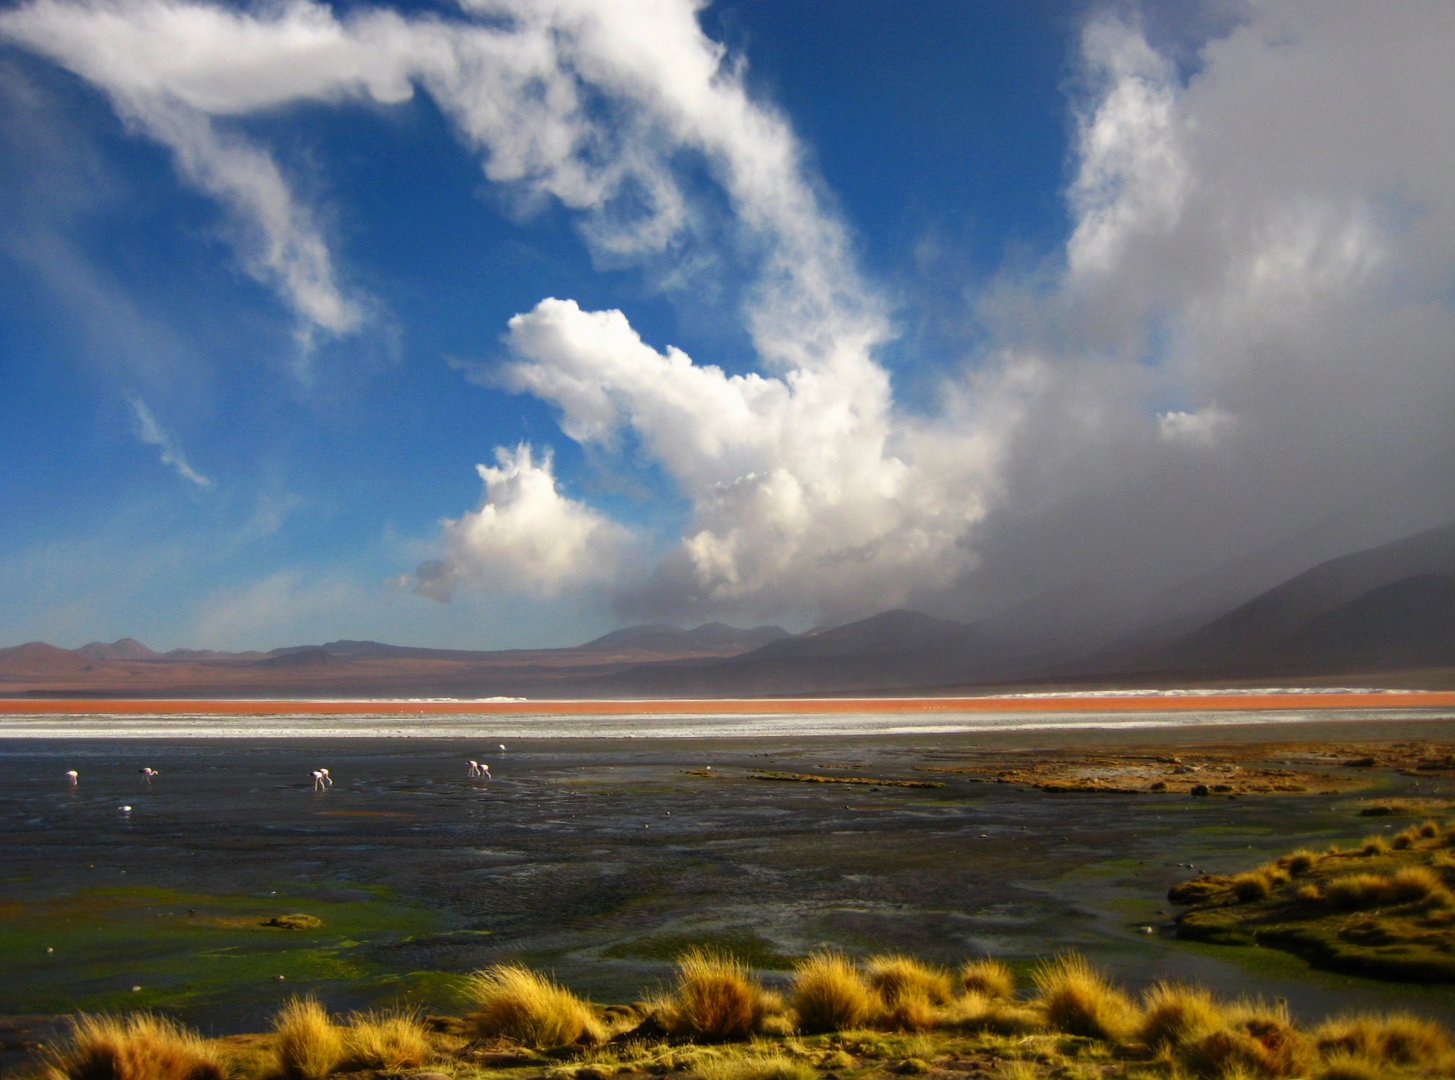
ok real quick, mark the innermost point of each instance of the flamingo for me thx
(148, 772)
(474, 767)
(321, 779)
(72, 776)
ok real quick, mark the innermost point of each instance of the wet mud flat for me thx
(600, 860)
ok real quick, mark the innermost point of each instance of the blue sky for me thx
(506, 323)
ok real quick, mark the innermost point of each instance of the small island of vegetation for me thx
(1384, 907)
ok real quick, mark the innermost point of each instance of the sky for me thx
(504, 323)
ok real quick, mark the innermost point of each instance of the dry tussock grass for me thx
(1078, 1000)
(1396, 1038)
(1255, 1040)
(388, 1041)
(988, 976)
(830, 993)
(1408, 885)
(1174, 1014)
(911, 993)
(895, 976)
(513, 1002)
(142, 1046)
(716, 998)
(308, 1044)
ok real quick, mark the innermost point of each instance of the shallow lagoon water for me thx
(605, 844)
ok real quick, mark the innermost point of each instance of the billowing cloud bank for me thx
(1248, 333)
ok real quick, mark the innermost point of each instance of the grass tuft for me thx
(1396, 1038)
(1174, 1015)
(716, 998)
(1253, 885)
(895, 976)
(988, 976)
(1255, 1040)
(1300, 862)
(1079, 1000)
(141, 1046)
(911, 992)
(387, 1041)
(513, 1002)
(1408, 885)
(831, 994)
(308, 1044)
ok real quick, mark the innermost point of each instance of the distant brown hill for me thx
(123, 649)
(37, 658)
(360, 668)
(1381, 612)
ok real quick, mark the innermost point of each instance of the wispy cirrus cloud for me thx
(152, 433)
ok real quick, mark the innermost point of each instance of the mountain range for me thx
(1381, 615)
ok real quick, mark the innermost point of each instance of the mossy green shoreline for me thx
(126, 947)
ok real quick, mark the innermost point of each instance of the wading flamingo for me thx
(148, 772)
(72, 776)
(321, 779)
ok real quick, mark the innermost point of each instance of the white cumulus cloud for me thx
(525, 537)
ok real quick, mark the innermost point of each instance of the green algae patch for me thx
(1384, 908)
(137, 947)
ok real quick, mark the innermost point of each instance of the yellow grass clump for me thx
(1395, 1038)
(1078, 1000)
(896, 975)
(1253, 885)
(988, 976)
(716, 998)
(910, 992)
(388, 1041)
(141, 1046)
(1300, 862)
(1255, 1040)
(1408, 885)
(308, 1045)
(513, 1002)
(1174, 1014)
(831, 994)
